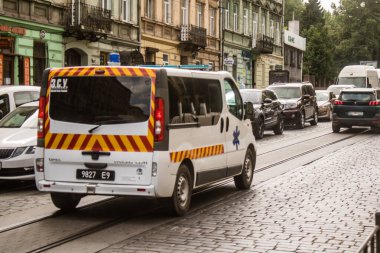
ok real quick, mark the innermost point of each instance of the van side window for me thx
(233, 98)
(194, 100)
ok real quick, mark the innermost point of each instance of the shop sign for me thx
(1, 69)
(229, 61)
(10, 29)
(26, 70)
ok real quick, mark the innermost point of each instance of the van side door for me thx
(236, 131)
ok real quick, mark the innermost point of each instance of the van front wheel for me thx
(181, 198)
(65, 201)
(244, 180)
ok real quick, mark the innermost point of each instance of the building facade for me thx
(175, 32)
(294, 46)
(30, 40)
(252, 39)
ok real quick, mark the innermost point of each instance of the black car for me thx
(268, 111)
(356, 107)
(299, 101)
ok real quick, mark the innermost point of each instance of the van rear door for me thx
(99, 126)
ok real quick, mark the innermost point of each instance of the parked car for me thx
(357, 107)
(299, 102)
(337, 88)
(18, 140)
(268, 111)
(12, 96)
(325, 100)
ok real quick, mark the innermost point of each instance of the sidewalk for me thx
(327, 206)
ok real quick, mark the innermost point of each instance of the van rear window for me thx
(100, 100)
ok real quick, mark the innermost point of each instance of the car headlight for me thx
(30, 150)
(18, 151)
(290, 105)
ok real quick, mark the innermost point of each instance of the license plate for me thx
(356, 114)
(105, 175)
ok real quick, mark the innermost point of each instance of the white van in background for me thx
(378, 74)
(362, 76)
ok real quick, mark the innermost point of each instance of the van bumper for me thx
(96, 188)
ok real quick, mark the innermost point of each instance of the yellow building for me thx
(182, 32)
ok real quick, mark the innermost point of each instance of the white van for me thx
(140, 132)
(362, 76)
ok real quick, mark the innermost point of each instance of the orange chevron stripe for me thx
(196, 153)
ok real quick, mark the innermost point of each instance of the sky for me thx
(326, 4)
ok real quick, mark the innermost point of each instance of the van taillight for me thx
(159, 119)
(41, 117)
(338, 102)
(373, 102)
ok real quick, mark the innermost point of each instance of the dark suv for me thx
(268, 111)
(357, 107)
(299, 101)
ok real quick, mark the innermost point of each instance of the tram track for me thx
(112, 222)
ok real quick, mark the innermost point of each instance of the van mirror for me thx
(249, 111)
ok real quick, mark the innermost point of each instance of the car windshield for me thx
(287, 92)
(322, 96)
(251, 96)
(100, 100)
(359, 82)
(361, 97)
(24, 116)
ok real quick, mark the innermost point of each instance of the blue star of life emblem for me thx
(236, 141)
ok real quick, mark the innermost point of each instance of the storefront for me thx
(26, 49)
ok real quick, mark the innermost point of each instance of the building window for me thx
(212, 21)
(292, 59)
(227, 16)
(245, 21)
(199, 15)
(165, 59)
(149, 4)
(236, 23)
(254, 28)
(278, 34)
(167, 11)
(39, 61)
(271, 32)
(106, 4)
(103, 58)
(299, 59)
(127, 10)
(263, 24)
(184, 12)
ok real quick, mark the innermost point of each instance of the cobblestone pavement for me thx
(326, 206)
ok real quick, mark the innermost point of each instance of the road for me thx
(313, 191)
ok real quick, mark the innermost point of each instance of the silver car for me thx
(18, 139)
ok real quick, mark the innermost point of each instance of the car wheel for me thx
(301, 121)
(244, 180)
(336, 128)
(314, 122)
(65, 201)
(259, 133)
(180, 202)
(279, 129)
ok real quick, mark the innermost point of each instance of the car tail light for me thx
(338, 102)
(159, 120)
(373, 102)
(41, 117)
(40, 164)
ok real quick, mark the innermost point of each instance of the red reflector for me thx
(374, 103)
(47, 185)
(338, 102)
(141, 190)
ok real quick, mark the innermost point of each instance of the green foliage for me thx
(293, 8)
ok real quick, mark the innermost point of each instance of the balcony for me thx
(193, 38)
(87, 22)
(263, 44)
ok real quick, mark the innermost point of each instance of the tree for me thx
(313, 15)
(293, 10)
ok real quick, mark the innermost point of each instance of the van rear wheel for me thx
(244, 180)
(65, 201)
(180, 202)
